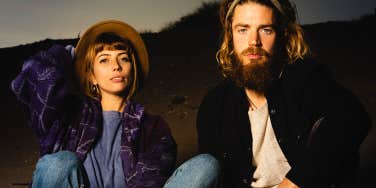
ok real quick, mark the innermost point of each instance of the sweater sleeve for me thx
(42, 87)
(155, 160)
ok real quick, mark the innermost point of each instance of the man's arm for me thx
(207, 124)
(331, 150)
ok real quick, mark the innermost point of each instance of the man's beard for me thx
(255, 74)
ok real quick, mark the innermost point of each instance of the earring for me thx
(95, 90)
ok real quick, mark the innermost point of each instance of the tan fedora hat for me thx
(121, 29)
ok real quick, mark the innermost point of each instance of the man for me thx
(278, 119)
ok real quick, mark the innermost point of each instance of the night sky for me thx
(25, 21)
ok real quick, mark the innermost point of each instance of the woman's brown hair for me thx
(84, 69)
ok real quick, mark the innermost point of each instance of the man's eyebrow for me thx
(267, 25)
(260, 26)
(241, 25)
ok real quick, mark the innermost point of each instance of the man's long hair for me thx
(291, 45)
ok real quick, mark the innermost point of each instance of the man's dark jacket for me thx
(318, 124)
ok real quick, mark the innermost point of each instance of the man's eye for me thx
(242, 31)
(267, 31)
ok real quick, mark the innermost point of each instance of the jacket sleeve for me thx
(206, 123)
(42, 87)
(155, 160)
(333, 142)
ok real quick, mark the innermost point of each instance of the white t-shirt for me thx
(268, 158)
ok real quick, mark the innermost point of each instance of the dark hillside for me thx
(183, 68)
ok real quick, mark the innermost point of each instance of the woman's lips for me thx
(117, 79)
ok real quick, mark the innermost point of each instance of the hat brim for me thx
(121, 29)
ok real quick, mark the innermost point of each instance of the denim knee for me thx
(200, 171)
(204, 163)
(57, 170)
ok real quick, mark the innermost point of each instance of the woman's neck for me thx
(113, 103)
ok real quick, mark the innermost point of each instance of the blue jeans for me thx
(202, 171)
(64, 169)
(61, 169)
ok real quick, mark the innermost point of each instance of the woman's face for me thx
(112, 71)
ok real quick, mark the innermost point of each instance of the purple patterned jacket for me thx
(64, 121)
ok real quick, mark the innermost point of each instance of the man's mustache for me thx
(256, 51)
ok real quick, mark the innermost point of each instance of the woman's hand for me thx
(286, 183)
(70, 50)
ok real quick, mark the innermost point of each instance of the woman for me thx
(99, 137)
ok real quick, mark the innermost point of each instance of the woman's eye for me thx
(103, 60)
(125, 59)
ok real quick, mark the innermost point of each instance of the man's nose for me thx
(254, 39)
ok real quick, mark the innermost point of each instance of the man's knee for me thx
(200, 171)
(206, 162)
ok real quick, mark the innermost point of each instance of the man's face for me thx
(254, 35)
(254, 39)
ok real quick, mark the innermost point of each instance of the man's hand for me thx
(286, 183)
